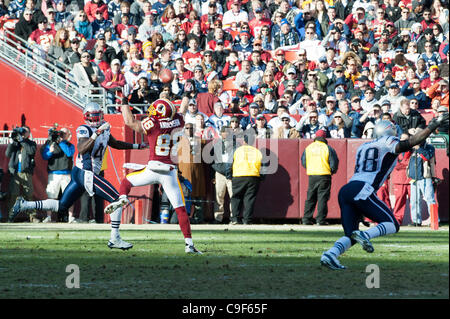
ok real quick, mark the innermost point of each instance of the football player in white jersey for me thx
(375, 160)
(93, 138)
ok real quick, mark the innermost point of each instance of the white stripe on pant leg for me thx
(386, 209)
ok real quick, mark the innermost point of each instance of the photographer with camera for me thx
(21, 164)
(58, 151)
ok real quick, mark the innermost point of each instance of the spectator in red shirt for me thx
(91, 8)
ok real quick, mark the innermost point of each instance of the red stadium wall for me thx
(281, 195)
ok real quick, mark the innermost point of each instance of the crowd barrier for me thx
(281, 195)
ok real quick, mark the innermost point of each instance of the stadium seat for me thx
(291, 56)
(228, 85)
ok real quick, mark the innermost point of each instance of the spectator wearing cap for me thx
(368, 101)
(394, 96)
(50, 15)
(434, 77)
(285, 37)
(261, 128)
(439, 91)
(73, 53)
(258, 22)
(320, 161)
(411, 90)
(291, 75)
(407, 118)
(212, 14)
(244, 47)
(114, 82)
(218, 38)
(246, 179)
(234, 15)
(96, 8)
(192, 111)
(100, 24)
(337, 127)
(286, 130)
(26, 25)
(324, 69)
(61, 14)
(109, 53)
(250, 120)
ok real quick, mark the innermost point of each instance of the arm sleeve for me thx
(304, 159)
(333, 160)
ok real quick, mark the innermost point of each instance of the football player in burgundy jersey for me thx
(93, 138)
(161, 126)
(375, 160)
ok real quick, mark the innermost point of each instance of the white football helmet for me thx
(93, 114)
(384, 128)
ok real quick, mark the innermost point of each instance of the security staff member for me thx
(320, 161)
(246, 179)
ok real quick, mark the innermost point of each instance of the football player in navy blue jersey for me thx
(93, 139)
(375, 160)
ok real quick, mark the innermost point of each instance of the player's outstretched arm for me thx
(121, 145)
(129, 119)
(421, 136)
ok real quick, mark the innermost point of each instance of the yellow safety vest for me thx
(317, 155)
(246, 161)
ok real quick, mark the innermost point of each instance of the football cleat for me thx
(119, 244)
(330, 261)
(122, 201)
(18, 206)
(363, 240)
(190, 249)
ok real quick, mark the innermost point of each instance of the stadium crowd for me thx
(284, 68)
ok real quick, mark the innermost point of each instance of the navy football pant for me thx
(352, 211)
(75, 189)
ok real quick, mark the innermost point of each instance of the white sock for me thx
(189, 241)
(47, 204)
(340, 246)
(115, 223)
(381, 229)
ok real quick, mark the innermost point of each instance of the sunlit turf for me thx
(238, 262)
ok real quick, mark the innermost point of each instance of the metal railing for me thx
(49, 71)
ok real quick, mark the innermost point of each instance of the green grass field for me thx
(261, 261)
